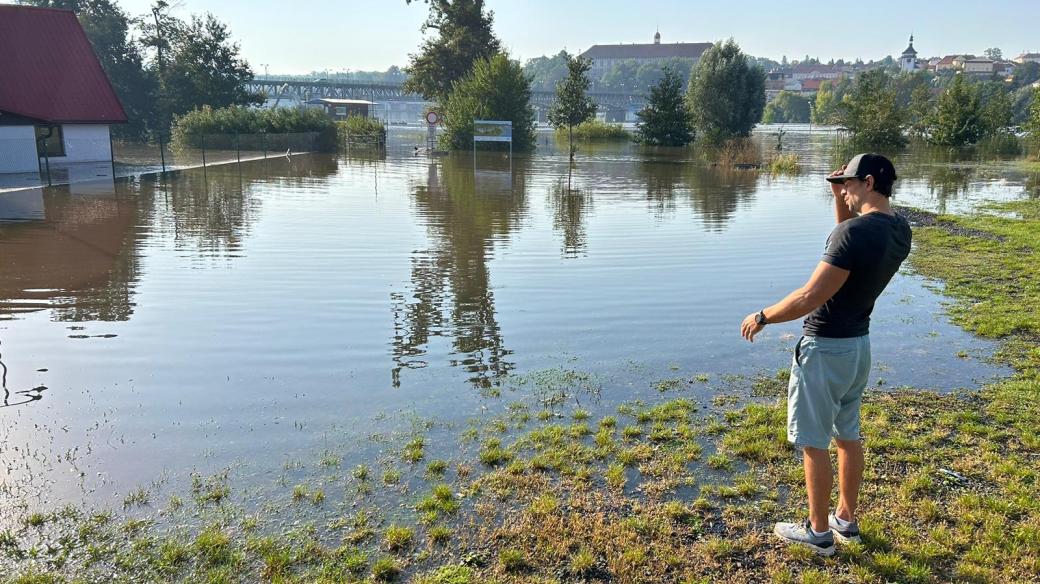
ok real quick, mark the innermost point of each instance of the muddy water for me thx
(253, 316)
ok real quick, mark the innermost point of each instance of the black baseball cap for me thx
(865, 164)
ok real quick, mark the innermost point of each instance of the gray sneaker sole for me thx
(823, 551)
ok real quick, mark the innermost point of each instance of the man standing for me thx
(832, 359)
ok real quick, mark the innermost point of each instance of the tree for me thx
(870, 110)
(573, 105)
(665, 120)
(993, 53)
(464, 35)
(108, 29)
(958, 119)
(496, 89)
(786, 107)
(726, 94)
(920, 109)
(546, 72)
(205, 68)
(1026, 73)
(997, 109)
(1033, 124)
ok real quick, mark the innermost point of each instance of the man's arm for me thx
(824, 283)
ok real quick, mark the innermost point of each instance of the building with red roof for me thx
(55, 98)
(604, 57)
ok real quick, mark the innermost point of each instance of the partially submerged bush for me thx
(361, 129)
(203, 126)
(596, 130)
(783, 164)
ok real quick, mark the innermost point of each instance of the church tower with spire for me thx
(908, 60)
(657, 37)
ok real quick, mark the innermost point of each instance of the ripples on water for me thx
(243, 313)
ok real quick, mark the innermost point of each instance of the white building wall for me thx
(86, 143)
(18, 149)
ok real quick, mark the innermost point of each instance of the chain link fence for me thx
(203, 150)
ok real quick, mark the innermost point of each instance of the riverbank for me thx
(670, 491)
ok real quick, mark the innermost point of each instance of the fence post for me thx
(203, 150)
(238, 148)
(263, 138)
(162, 155)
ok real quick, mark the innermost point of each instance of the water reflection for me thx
(571, 207)
(449, 293)
(81, 260)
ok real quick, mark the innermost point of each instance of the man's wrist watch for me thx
(760, 318)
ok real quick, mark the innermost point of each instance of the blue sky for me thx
(301, 36)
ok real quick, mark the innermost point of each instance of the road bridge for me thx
(305, 90)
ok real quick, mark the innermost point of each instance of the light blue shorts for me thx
(823, 398)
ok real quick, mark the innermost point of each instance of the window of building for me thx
(53, 145)
(341, 110)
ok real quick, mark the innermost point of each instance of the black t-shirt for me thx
(871, 247)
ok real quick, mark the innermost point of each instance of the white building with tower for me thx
(908, 60)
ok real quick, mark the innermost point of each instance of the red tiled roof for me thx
(811, 84)
(49, 71)
(647, 51)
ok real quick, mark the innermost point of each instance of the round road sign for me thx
(432, 118)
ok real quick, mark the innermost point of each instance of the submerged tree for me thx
(787, 107)
(464, 35)
(727, 93)
(1033, 123)
(665, 120)
(871, 111)
(957, 120)
(573, 104)
(496, 89)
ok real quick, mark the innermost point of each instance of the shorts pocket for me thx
(798, 351)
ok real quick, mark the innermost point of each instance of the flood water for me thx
(251, 314)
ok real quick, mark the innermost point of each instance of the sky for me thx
(338, 35)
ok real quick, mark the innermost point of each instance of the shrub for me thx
(188, 130)
(496, 89)
(783, 164)
(596, 130)
(361, 129)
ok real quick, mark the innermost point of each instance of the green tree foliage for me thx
(958, 118)
(665, 120)
(188, 128)
(496, 89)
(726, 94)
(828, 101)
(631, 75)
(108, 29)
(546, 72)
(920, 109)
(994, 53)
(786, 108)
(205, 68)
(997, 108)
(464, 35)
(1026, 74)
(573, 104)
(1033, 123)
(870, 110)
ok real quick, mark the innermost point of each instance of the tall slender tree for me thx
(464, 35)
(958, 119)
(573, 104)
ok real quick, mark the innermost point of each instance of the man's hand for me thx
(750, 327)
(837, 188)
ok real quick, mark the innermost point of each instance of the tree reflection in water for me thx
(570, 209)
(467, 206)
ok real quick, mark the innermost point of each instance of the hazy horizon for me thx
(357, 36)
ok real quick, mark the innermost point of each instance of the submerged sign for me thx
(492, 131)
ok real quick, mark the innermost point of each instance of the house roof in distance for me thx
(647, 51)
(49, 71)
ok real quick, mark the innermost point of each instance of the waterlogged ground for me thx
(294, 368)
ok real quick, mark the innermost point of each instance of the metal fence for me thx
(203, 150)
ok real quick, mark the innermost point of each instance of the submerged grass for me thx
(952, 489)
